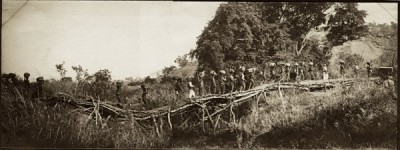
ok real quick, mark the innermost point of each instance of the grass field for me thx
(361, 117)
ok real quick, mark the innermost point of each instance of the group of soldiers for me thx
(34, 90)
(227, 80)
(242, 78)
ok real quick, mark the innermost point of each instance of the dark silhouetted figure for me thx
(222, 81)
(12, 79)
(356, 71)
(118, 92)
(27, 87)
(39, 87)
(178, 88)
(213, 83)
(231, 80)
(369, 69)
(200, 79)
(342, 69)
(144, 93)
(311, 71)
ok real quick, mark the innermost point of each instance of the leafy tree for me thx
(103, 75)
(168, 70)
(346, 24)
(80, 72)
(61, 69)
(148, 79)
(250, 33)
(182, 61)
(299, 18)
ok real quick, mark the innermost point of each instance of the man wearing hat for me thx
(213, 83)
(200, 78)
(27, 87)
(311, 71)
(241, 81)
(356, 71)
(272, 72)
(178, 88)
(118, 91)
(294, 72)
(144, 93)
(39, 87)
(325, 72)
(222, 81)
(369, 69)
(250, 78)
(191, 89)
(231, 80)
(282, 71)
(12, 78)
(287, 72)
(301, 71)
(342, 68)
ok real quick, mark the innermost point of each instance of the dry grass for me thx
(298, 120)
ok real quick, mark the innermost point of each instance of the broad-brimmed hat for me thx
(213, 72)
(26, 75)
(39, 79)
(11, 75)
(272, 64)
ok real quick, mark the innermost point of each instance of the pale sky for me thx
(131, 39)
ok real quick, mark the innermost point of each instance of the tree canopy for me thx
(252, 33)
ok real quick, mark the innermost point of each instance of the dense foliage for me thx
(251, 33)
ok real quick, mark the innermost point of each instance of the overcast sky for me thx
(131, 39)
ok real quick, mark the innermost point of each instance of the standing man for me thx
(12, 78)
(27, 86)
(241, 82)
(342, 68)
(26, 79)
(144, 93)
(311, 71)
(294, 73)
(222, 81)
(118, 92)
(356, 71)
(325, 72)
(213, 83)
(287, 72)
(39, 87)
(191, 89)
(301, 71)
(200, 78)
(250, 78)
(231, 80)
(272, 72)
(369, 69)
(178, 88)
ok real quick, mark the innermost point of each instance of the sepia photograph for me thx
(208, 75)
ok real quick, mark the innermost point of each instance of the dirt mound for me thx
(363, 47)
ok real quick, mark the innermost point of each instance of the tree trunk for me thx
(300, 46)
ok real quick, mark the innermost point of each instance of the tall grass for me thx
(359, 117)
(38, 124)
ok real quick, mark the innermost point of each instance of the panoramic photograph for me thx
(209, 75)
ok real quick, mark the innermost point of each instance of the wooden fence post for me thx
(169, 118)
(202, 120)
(156, 126)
